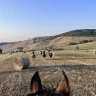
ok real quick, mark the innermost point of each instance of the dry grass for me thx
(57, 42)
(79, 66)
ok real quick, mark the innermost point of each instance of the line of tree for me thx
(78, 32)
(5, 43)
(81, 32)
(43, 38)
(80, 42)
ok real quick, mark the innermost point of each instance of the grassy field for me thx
(58, 42)
(80, 67)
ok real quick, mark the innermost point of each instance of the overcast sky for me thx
(23, 19)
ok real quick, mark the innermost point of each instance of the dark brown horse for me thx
(37, 90)
(50, 54)
(43, 53)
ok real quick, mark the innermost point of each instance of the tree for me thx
(20, 49)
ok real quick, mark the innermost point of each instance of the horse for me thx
(50, 54)
(43, 53)
(33, 55)
(36, 88)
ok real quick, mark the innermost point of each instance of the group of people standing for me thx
(43, 53)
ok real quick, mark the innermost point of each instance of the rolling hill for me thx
(57, 41)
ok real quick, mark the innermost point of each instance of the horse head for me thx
(36, 88)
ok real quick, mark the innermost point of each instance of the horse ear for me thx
(35, 83)
(63, 86)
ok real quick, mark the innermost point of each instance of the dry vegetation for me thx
(80, 67)
(57, 42)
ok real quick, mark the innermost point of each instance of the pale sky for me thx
(23, 19)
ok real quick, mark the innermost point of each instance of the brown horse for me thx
(50, 54)
(37, 90)
(43, 53)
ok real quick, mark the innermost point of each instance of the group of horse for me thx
(43, 53)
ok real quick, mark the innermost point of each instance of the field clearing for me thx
(80, 67)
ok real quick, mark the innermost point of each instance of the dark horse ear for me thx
(63, 86)
(35, 83)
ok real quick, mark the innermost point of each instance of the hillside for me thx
(26, 44)
(78, 32)
(58, 41)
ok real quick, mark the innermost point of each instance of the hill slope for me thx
(61, 40)
(58, 42)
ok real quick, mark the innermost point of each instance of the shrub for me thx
(77, 47)
(72, 43)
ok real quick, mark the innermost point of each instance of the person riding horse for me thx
(44, 54)
(33, 55)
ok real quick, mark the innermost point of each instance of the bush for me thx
(77, 47)
(85, 41)
(72, 43)
(58, 49)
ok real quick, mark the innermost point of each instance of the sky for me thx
(23, 19)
